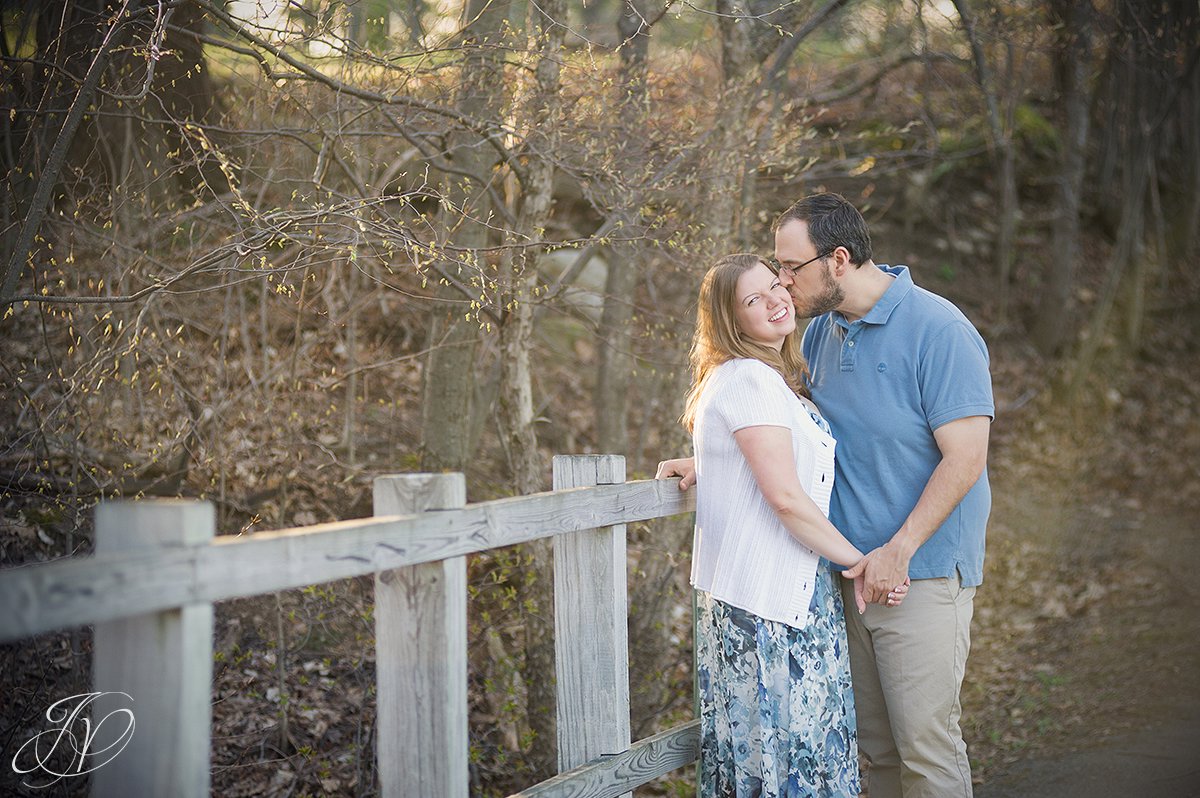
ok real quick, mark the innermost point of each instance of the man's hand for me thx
(683, 467)
(883, 572)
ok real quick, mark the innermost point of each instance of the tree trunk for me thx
(1002, 155)
(1125, 251)
(1136, 109)
(730, 150)
(39, 201)
(411, 12)
(541, 118)
(615, 366)
(541, 115)
(1189, 227)
(451, 369)
(1074, 65)
(1156, 80)
(1009, 200)
(188, 93)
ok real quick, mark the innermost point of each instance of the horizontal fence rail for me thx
(611, 776)
(158, 569)
(83, 590)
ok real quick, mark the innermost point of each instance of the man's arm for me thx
(683, 467)
(963, 444)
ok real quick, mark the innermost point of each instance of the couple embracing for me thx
(860, 449)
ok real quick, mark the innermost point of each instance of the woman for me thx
(777, 713)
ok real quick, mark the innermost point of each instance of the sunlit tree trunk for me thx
(651, 597)
(540, 116)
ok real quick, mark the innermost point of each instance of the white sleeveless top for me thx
(742, 554)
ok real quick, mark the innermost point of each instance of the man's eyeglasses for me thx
(791, 270)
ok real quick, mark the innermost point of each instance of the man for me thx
(902, 378)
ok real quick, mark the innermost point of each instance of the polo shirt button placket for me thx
(849, 351)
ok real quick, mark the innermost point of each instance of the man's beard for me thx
(828, 297)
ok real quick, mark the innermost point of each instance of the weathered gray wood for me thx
(421, 653)
(156, 666)
(590, 625)
(44, 597)
(610, 776)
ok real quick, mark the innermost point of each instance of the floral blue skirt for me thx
(776, 710)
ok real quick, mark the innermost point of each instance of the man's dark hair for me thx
(832, 222)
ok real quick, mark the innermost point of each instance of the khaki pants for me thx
(907, 663)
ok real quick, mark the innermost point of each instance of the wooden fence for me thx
(158, 568)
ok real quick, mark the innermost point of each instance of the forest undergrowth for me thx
(1084, 628)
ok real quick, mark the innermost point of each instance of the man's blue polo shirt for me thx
(884, 383)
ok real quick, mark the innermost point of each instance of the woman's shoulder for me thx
(734, 378)
(751, 366)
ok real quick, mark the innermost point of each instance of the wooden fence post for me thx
(590, 624)
(421, 653)
(156, 668)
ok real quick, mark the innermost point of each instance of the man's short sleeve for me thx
(954, 377)
(755, 396)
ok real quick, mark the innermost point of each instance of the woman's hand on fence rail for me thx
(684, 467)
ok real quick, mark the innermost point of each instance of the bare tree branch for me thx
(492, 135)
(878, 75)
(787, 48)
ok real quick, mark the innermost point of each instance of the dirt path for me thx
(1084, 676)
(1160, 761)
(1113, 708)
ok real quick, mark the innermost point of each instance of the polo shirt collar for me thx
(901, 287)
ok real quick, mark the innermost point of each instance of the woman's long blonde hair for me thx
(717, 338)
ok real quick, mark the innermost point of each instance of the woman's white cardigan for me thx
(742, 554)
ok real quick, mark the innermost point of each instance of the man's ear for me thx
(841, 261)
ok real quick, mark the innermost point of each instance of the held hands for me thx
(683, 467)
(897, 594)
(881, 577)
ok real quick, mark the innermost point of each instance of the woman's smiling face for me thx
(764, 309)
